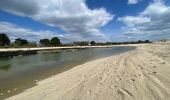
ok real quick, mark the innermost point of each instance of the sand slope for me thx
(141, 74)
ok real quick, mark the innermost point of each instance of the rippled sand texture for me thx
(141, 74)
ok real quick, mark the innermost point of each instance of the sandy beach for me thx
(140, 74)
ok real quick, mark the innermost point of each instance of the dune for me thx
(140, 74)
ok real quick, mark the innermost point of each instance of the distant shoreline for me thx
(13, 52)
(64, 47)
(50, 48)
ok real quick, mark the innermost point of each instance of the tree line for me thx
(5, 41)
(93, 43)
(55, 41)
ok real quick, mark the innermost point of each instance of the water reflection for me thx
(5, 67)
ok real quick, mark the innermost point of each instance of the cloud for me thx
(72, 16)
(21, 7)
(133, 20)
(14, 32)
(132, 2)
(154, 21)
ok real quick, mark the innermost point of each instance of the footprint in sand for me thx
(100, 83)
(116, 85)
(154, 72)
(100, 78)
(154, 66)
(140, 67)
(133, 80)
(163, 63)
(90, 92)
(128, 81)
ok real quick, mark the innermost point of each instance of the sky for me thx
(86, 20)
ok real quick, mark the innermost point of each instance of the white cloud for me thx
(14, 32)
(72, 16)
(155, 9)
(153, 21)
(133, 20)
(131, 2)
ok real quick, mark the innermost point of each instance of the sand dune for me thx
(141, 74)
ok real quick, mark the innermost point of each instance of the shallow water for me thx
(19, 73)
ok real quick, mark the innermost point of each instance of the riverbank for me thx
(141, 74)
(49, 48)
(13, 52)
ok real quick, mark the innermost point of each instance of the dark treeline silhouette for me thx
(20, 42)
(81, 43)
(55, 41)
(45, 42)
(129, 42)
(5, 42)
(93, 43)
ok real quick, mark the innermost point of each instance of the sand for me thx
(141, 74)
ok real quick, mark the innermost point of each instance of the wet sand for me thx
(141, 74)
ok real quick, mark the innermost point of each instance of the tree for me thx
(45, 42)
(147, 41)
(20, 42)
(55, 41)
(140, 41)
(92, 43)
(4, 40)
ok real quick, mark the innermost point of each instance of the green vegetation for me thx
(20, 42)
(4, 40)
(92, 43)
(80, 43)
(45, 42)
(55, 41)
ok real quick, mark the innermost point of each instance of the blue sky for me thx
(86, 20)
